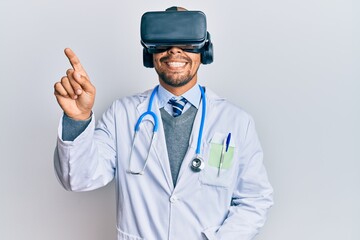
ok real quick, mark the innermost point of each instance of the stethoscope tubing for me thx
(149, 112)
(155, 129)
(202, 122)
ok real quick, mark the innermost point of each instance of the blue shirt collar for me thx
(193, 96)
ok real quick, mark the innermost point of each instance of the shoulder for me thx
(133, 100)
(221, 106)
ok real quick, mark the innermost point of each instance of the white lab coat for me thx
(202, 205)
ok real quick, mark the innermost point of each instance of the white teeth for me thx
(176, 64)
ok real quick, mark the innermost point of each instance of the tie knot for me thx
(178, 105)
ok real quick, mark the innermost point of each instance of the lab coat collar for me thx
(210, 95)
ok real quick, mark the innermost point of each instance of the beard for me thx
(176, 79)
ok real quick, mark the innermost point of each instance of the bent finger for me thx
(70, 73)
(60, 90)
(84, 82)
(65, 82)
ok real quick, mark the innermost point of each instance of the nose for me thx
(174, 50)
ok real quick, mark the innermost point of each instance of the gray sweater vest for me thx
(177, 134)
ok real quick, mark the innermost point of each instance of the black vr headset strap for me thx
(147, 59)
(173, 8)
(207, 55)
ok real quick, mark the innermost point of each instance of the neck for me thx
(178, 91)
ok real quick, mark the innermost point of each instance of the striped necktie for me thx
(177, 105)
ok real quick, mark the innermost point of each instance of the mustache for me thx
(172, 58)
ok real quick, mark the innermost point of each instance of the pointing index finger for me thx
(74, 61)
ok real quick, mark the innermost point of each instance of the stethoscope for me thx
(197, 164)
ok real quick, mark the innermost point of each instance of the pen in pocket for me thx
(224, 149)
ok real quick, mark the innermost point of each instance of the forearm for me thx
(79, 164)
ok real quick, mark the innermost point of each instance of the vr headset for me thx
(184, 29)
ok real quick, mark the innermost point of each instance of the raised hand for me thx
(75, 93)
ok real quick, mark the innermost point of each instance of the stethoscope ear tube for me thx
(141, 172)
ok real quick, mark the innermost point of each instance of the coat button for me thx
(173, 199)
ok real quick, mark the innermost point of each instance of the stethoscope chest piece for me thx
(197, 164)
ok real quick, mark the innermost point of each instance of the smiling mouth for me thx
(176, 64)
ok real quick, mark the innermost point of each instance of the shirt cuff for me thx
(73, 128)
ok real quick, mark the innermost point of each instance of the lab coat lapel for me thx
(159, 144)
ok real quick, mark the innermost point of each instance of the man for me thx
(194, 173)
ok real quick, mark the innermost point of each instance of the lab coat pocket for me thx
(125, 236)
(219, 169)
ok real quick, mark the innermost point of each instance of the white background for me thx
(293, 65)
